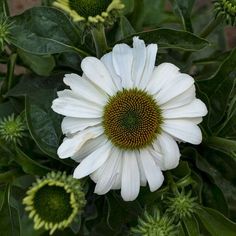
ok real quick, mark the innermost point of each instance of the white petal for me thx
(183, 130)
(89, 146)
(84, 88)
(122, 56)
(162, 75)
(182, 99)
(71, 125)
(149, 65)
(153, 173)
(194, 109)
(96, 71)
(130, 182)
(182, 83)
(169, 150)
(195, 120)
(110, 172)
(73, 107)
(139, 55)
(93, 161)
(143, 180)
(72, 145)
(107, 60)
(117, 183)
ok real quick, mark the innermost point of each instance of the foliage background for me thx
(207, 170)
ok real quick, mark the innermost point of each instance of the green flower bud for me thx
(155, 225)
(181, 206)
(226, 9)
(5, 26)
(54, 201)
(91, 12)
(12, 129)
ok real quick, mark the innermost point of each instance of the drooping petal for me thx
(162, 75)
(182, 83)
(109, 173)
(89, 146)
(96, 72)
(149, 65)
(130, 182)
(139, 55)
(71, 125)
(122, 56)
(73, 107)
(152, 172)
(83, 87)
(143, 179)
(93, 161)
(183, 99)
(183, 130)
(107, 60)
(194, 109)
(72, 145)
(169, 150)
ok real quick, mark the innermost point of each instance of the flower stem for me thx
(100, 41)
(210, 27)
(172, 183)
(10, 71)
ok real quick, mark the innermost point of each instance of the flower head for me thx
(91, 11)
(12, 129)
(155, 225)
(227, 9)
(181, 206)
(124, 116)
(5, 26)
(54, 201)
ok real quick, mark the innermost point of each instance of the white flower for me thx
(124, 116)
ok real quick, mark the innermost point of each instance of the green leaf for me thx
(219, 88)
(45, 30)
(216, 223)
(169, 38)
(224, 144)
(44, 124)
(10, 220)
(41, 65)
(191, 226)
(124, 29)
(29, 165)
(185, 8)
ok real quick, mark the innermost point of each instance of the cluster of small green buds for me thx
(91, 12)
(54, 201)
(226, 9)
(12, 129)
(5, 26)
(155, 225)
(181, 206)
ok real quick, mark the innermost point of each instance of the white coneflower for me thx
(124, 116)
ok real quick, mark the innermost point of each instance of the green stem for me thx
(172, 183)
(100, 41)
(10, 71)
(210, 27)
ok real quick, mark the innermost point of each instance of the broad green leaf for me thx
(10, 220)
(44, 124)
(191, 226)
(224, 144)
(41, 65)
(29, 165)
(170, 38)
(219, 89)
(216, 223)
(9, 176)
(45, 30)
(185, 8)
(129, 6)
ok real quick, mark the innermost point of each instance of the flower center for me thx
(88, 8)
(52, 203)
(132, 119)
